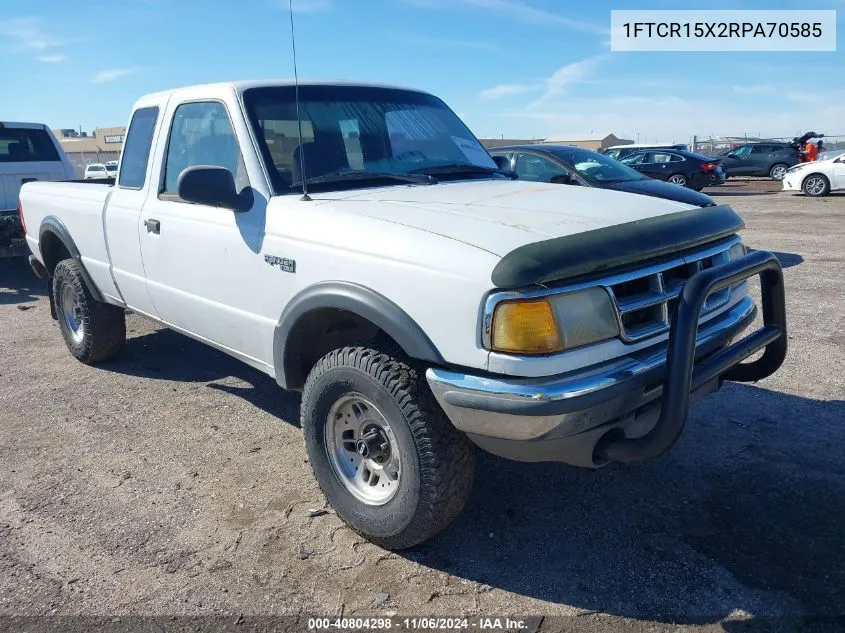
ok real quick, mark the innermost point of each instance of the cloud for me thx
(517, 10)
(309, 6)
(753, 89)
(51, 59)
(28, 34)
(552, 86)
(106, 76)
(563, 77)
(509, 90)
(444, 42)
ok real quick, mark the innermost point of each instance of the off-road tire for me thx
(103, 325)
(438, 461)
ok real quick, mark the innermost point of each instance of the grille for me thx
(646, 301)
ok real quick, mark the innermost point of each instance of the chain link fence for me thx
(715, 145)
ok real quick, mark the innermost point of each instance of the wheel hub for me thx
(362, 449)
(373, 444)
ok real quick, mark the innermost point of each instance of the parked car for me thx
(95, 171)
(678, 167)
(111, 169)
(621, 151)
(819, 177)
(419, 299)
(566, 164)
(760, 159)
(28, 151)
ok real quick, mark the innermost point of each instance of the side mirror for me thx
(209, 185)
(503, 163)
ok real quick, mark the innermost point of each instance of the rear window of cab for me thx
(24, 145)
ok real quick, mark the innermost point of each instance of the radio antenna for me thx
(305, 197)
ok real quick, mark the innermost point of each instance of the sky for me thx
(509, 68)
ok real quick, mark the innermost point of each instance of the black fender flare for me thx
(52, 224)
(355, 298)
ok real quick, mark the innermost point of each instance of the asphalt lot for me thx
(173, 480)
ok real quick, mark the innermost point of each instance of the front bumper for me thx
(792, 181)
(589, 417)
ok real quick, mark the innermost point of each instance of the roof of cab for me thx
(243, 85)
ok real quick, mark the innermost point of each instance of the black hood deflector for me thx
(611, 247)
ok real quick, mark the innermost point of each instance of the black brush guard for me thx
(684, 375)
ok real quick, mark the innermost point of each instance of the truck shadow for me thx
(168, 355)
(746, 512)
(18, 284)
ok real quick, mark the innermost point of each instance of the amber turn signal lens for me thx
(525, 327)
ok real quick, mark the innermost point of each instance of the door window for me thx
(634, 159)
(536, 168)
(761, 149)
(202, 134)
(664, 157)
(742, 151)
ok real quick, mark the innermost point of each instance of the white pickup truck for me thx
(420, 299)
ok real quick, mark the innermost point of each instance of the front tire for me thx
(388, 460)
(778, 171)
(93, 331)
(816, 185)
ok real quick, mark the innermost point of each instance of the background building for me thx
(102, 145)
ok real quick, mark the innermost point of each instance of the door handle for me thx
(153, 226)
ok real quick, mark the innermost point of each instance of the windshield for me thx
(362, 129)
(831, 154)
(595, 166)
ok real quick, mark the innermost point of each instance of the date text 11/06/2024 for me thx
(417, 624)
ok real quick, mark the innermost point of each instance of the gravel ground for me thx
(173, 480)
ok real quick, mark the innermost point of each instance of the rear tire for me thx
(418, 472)
(778, 171)
(678, 179)
(93, 331)
(816, 185)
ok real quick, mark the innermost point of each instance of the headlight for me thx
(554, 323)
(736, 251)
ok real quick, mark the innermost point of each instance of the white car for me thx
(95, 171)
(819, 177)
(111, 169)
(28, 151)
(422, 301)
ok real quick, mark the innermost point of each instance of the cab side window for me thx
(202, 134)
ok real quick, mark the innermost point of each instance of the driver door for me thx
(736, 162)
(204, 267)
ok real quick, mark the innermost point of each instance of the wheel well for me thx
(53, 250)
(815, 173)
(319, 331)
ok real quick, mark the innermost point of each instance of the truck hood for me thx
(499, 216)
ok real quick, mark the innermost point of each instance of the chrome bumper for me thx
(545, 418)
(526, 408)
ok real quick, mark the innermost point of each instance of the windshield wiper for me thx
(362, 174)
(456, 168)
